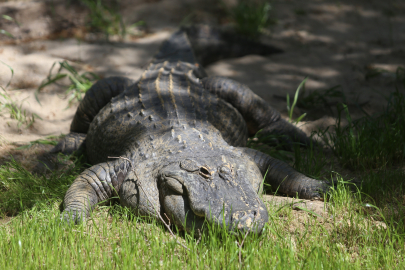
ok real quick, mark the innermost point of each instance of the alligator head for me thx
(212, 189)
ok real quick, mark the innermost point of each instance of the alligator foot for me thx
(286, 180)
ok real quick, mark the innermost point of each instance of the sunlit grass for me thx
(113, 238)
(20, 190)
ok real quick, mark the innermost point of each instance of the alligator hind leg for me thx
(95, 99)
(285, 179)
(70, 143)
(258, 114)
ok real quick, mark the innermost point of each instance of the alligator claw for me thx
(72, 217)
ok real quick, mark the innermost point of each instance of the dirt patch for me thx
(27, 157)
(40, 20)
(54, 116)
(318, 208)
(5, 220)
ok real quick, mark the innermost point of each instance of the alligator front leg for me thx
(95, 185)
(258, 114)
(285, 179)
(72, 142)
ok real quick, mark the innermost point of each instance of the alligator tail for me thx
(211, 44)
(176, 48)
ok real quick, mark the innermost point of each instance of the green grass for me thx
(251, 17)
(104, 17)
(80, 83)
(371, 142)
(290, 108)
(49, 140)
(311, 161)
(320, 98)
(14, 109)
(113, 238)
(10, 19)
(20, 190)
(9, 106)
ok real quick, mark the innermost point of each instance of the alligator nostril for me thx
(225, 170)
(249, 220)
(205, 172)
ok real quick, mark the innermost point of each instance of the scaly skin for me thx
(186, 136)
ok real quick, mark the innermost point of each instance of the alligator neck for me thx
(178, 141)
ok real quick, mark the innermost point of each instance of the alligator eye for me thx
(205, 172)
(189, 165)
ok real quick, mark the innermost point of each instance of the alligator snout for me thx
(226, 197)
(244, 221)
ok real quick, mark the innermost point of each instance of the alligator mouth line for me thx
(175, 185)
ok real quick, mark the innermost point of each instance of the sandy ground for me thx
(331, 42)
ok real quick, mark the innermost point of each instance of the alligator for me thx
(182, 137)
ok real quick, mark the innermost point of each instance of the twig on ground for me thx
(147, 197)
(168, 219)
(246, 234)
(199, 237)
(240, 247)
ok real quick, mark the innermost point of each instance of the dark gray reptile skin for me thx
(186, 134)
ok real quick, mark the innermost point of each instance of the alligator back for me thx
(168, 100)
